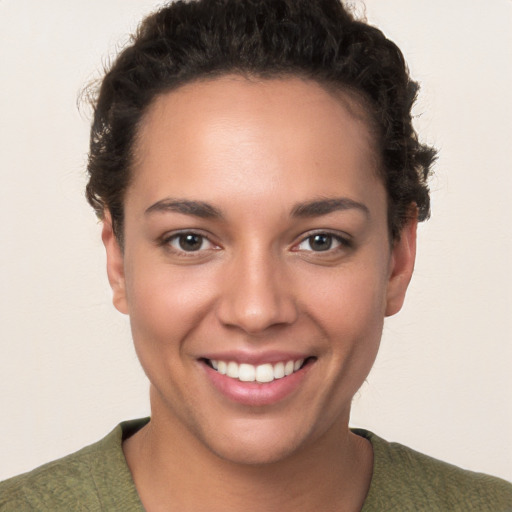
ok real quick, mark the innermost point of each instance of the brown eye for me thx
(190, 242)
(320, 242)
(323, 242)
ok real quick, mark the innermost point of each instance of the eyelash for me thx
(167, 242)
(341, 243)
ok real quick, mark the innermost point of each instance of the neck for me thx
(172, 470)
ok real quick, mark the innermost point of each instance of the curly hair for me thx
(202, 39)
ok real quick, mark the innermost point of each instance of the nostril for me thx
(257, 316)
(258, 296)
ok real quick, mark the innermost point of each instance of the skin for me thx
(253, 150)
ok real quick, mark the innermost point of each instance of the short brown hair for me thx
(199, 39)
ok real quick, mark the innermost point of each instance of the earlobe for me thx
(115, 264)
(403, 256)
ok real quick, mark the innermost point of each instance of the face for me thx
(257, 267)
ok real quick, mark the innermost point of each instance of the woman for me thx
(259, 184)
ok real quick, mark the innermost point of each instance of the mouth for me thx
(262, 373)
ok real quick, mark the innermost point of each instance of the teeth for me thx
(265, 373)
(279, 371)
(261, 373)
(232, 370)
(223, 367)
(288, 368)
(246, 372)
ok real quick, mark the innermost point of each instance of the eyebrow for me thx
(325, 206)
(186, 207)
(205, 210)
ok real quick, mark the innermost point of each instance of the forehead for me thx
(292, 133)
(257, 100)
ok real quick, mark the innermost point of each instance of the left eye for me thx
(320, 242)
(189, 242)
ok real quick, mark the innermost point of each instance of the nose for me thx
(257, 294)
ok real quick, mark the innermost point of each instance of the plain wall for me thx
(442, 383)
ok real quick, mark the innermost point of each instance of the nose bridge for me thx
(256, 293)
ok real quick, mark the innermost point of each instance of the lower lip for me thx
(255, 393)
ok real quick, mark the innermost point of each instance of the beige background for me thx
(442, 383)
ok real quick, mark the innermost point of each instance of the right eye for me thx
(188, 242)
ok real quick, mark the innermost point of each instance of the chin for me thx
(254, 443)
(254, 454)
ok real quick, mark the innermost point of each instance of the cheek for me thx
(352, 301)
(166, 302)
(349, 308)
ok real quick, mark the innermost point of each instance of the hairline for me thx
(352, 99)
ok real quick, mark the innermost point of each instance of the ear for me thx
(115, 264)
(403, 256)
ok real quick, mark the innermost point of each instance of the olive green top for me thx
(97, 478)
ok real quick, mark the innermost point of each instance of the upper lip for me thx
(256, 358)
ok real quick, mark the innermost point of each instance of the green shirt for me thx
(97, 478)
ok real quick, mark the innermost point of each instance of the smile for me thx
(262, 373)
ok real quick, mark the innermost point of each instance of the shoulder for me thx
(404, 479)
(65, 483)
(85, 480)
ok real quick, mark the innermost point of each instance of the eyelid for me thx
(166, 239)
(344, 240)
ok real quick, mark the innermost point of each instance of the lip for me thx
(256, 394)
